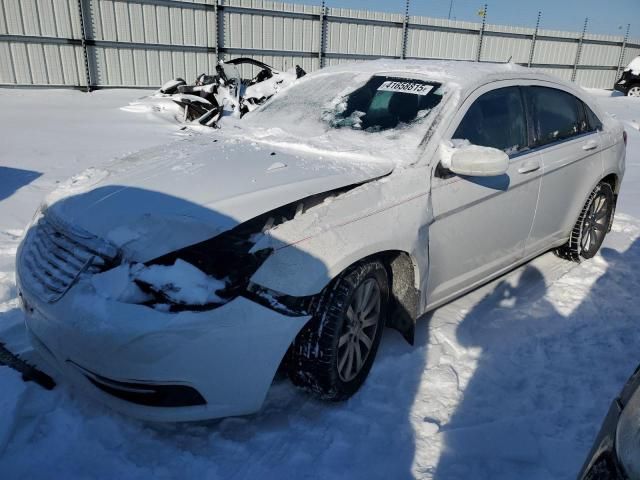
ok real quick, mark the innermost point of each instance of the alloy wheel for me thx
(634, 92)
(595, 222)
(359, 330)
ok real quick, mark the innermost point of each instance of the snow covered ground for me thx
(510, 381)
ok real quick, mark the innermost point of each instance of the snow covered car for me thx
(629, 82)
(174, 283)
(616, 452)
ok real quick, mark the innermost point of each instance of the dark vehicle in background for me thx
(615, 455)
(629, 82)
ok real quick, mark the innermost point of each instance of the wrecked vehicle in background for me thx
(629, 81)
(215, 96)
(172, 284)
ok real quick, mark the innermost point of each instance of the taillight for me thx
(624, 137)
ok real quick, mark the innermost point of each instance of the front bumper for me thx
(227, 356)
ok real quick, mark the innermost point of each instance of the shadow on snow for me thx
(517, 413)
(12, 179)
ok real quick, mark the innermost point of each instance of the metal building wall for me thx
(143, 43)
(441, 38)
(25, 57)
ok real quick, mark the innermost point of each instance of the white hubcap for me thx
(634, 92)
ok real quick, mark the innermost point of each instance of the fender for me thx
(309, 253)
(311, 250)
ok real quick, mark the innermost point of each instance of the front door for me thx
(481, 224)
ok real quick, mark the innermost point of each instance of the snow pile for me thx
(510, 381)
(118, 284)
(180, 283)
(634, 66)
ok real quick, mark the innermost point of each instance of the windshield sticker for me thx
(405, 87)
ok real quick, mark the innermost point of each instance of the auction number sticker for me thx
(405, 87)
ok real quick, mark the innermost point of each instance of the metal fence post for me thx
(579, 51)
(622, 51)
(405, 27)
(219, 31)
(323, 31)
(481, 34)
(83, 39)
(533, 40)
(216, 26)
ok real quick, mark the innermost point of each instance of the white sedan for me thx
(172, 284)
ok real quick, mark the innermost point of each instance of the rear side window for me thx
(496, 119)
(557, 115)
(592, 119)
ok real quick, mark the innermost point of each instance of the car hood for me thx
(165, 198)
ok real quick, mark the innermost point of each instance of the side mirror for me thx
(475, 161)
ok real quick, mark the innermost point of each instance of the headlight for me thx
(37, 215)
(205, 275)
(229, 260)
(628, 437)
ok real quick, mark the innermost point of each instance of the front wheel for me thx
(592, 225)
(333, 354)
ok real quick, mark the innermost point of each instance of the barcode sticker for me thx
(405, 87)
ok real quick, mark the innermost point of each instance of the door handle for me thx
(590, 145)
(529, 167)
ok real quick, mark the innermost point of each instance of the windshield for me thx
(374, 115)
(384, 103)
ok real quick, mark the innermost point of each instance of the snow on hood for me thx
(165, 198)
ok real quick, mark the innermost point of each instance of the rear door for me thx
(481, 223)
(567, 135)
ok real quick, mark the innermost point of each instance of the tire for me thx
(319, 360)
(634, 91)
(593, 224)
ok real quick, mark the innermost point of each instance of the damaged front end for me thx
(229, 260)
(200, 277)
(226, 259)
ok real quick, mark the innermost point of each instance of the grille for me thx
(55, 255)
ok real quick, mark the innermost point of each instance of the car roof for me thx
(460, 74)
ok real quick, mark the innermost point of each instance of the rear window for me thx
(385, 103)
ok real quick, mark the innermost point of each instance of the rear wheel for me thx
(634, 91)
(333, 354)
(592, 225)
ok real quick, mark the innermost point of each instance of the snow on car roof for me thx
(463, 74)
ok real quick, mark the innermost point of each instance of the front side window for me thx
(557, 115)
(385, 103)
(496, 119)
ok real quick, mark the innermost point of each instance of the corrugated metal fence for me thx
(141, 43)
